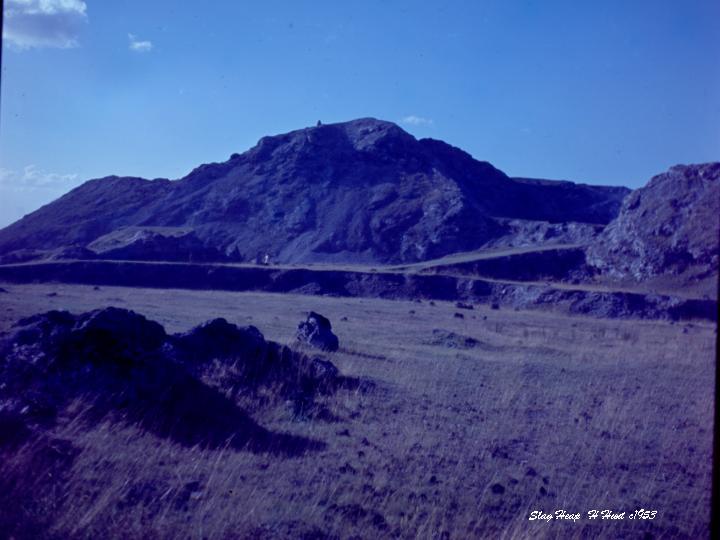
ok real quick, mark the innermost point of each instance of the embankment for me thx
(379, 284)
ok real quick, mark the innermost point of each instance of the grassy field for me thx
(473, 423)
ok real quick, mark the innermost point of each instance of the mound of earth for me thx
(359, 191)
(669, 227)
(239, 361)
(187, 387)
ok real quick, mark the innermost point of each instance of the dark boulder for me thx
(317, 332)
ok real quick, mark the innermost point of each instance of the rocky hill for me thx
(670, 227)
(360, 191)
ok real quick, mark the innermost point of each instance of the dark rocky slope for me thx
(668, 228)
(358, 191)
(199, 387)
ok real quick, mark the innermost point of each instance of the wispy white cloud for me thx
(26, 190)
(32, 177)
(414, 120)
(139, 45)
(43, 23)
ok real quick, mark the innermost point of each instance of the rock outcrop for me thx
(198, 387)
(669, 227)
(317, 332)
(153, 243)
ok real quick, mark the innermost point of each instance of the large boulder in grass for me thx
(317, 332)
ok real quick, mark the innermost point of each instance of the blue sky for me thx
(605, 92)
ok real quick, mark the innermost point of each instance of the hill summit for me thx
(358, 191)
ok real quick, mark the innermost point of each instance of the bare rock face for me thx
(669, 227)
(359, 191)
(317, 332)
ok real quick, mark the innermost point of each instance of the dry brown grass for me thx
(562, 412)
